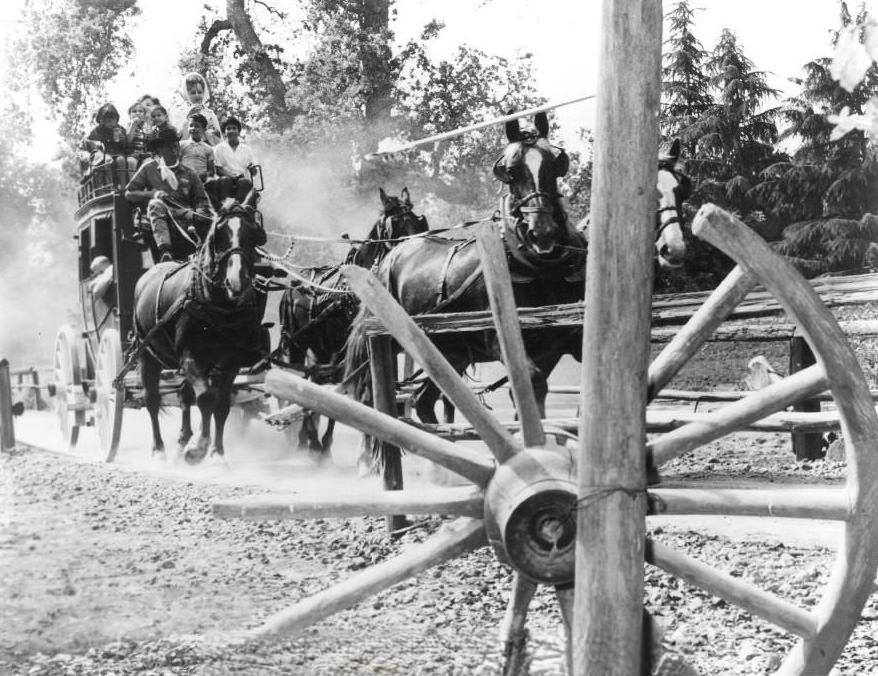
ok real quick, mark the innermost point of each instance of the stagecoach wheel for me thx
(522, 503)
(67, 378)
(109, 400)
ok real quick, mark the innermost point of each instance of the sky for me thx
(778, 35)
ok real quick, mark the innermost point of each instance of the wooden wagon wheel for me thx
(109, 400)
(523, 505)
(67, 379)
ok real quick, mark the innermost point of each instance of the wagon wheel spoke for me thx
(415, 342)
(513, 633)
(383, 426)
(451, 541)
(830, 504)
(566, 596)
(467, 501)
(823, 632)
(500, 295)
(733, 590)
(689, 339)
(732, 417)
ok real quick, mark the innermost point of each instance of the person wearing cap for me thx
(235, 161)
(173, 193)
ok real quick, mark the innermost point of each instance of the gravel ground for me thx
(112, 571)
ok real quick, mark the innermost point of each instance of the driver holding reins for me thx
(173, 193)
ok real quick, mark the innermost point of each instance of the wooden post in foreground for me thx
(7, 429)
(806, 446)
(383, 367)
(608, 612)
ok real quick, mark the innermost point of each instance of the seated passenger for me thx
(173, 193)
(159, 120)
(195, 153)
(195, 87)
(235, 162)
(108, 146)
(137, 131)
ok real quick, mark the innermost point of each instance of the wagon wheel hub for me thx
(530, 514)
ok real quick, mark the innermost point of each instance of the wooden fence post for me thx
(7, 429)
(806, 446)
(383, 366)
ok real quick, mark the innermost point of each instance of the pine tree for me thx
(735, 135)
(685, 85)
(824, 178)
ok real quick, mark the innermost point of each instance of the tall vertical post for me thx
(608, 610)
(7, 429)
(383, 366)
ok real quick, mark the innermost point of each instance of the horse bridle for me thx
(677, 207)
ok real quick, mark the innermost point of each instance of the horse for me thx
(315, 323)
(204, 318)
(546, 258)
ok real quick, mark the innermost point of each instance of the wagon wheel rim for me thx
(824, 631)
(109, 400)
(66, 376)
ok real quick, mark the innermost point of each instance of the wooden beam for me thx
(452, 540)
(732, 417)
(666, 315)
(734, 590)
(414, 341)
(689, 339)
(833, 504)
(466, 501)
(368, 420)
(498, 283)
(608, 609)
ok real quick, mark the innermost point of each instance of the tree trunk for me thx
(260, 60)
(375, 57)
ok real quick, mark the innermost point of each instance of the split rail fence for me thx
(759, 318)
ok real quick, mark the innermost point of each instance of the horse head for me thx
(531, 167)
(230, 247)
(674, 187)
(396, 220)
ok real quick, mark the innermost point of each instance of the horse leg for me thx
(222, 404)
(308, 435)
(187, 398)
(149, 376)
(426, 397)
(326, 439)
(205, 400)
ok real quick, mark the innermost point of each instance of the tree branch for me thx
(271, 10)
(217, 27)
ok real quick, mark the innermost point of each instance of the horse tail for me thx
(356, 360)
(358, 377)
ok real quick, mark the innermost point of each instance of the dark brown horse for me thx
(546, 258)
(315, 319)
(203, 318)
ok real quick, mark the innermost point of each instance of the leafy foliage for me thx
(72, 48)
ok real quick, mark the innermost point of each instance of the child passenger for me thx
(109, 149)
(137, 131)
(195, 153)
(196, 95)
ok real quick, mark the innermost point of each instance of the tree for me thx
(825, 177)
(685, 84)
(735, 135)
(72, 48)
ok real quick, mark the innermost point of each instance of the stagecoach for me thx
(115, 248)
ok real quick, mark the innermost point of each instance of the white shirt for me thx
(234, 162)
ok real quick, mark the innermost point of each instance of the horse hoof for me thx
(159, 456)
(219, 460)
(194, 455)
